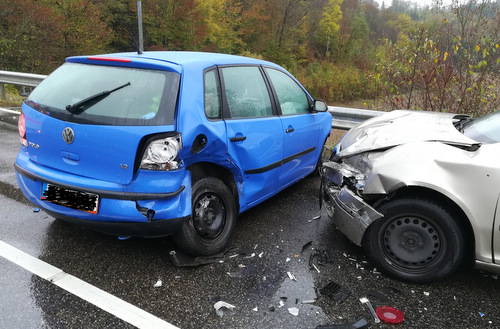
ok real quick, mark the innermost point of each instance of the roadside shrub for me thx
(333, 83)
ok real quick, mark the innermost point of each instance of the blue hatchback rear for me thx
(165, 143)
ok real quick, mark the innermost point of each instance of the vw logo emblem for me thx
(68, 135)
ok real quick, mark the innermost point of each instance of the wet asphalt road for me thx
(272, 239)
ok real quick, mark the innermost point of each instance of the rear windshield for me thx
(108, 95)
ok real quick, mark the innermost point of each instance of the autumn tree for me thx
(455, 69)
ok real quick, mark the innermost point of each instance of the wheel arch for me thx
(201, 170)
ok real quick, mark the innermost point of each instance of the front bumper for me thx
(350, 213)
(158, 209)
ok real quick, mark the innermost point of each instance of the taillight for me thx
(21, 126)
(162, 154)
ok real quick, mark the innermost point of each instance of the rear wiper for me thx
(84, 104)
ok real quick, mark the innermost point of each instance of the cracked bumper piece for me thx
(351, 215)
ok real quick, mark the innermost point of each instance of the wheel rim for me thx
(209, 216)
(412, 243)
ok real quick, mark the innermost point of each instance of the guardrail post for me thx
(2, 91)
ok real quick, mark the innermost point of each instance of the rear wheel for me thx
(212, 221)
(417, 240)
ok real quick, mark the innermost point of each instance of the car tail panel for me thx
(100, 152)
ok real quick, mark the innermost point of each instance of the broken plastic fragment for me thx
(36, 210)
(335, 291)
(378, 295)
(235, 274)
(426, 293)
(307, 245)
(293, 311)
(256, 309)
(481, 314)
(182, 259)
(220, 304)
(366, 302)
(389, 314)
(291, 276)
(122, 238)
(323, 257)
(158, 284)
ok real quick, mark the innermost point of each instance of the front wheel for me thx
(212, 221)
(417, 240)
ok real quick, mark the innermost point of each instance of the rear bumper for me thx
(158, 209)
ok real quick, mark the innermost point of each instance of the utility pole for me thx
(139, 21)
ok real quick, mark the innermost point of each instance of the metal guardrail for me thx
(342, 117)
(18, 79)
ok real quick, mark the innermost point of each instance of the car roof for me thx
(172, 59)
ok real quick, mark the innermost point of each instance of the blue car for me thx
(159, 143)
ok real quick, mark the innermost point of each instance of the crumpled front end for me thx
(342, 187)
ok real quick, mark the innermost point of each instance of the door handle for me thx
(289, 130)
(238, 139)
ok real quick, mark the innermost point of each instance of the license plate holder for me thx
(74, 199)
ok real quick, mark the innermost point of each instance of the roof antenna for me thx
(139, 51)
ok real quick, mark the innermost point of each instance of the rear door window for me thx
(246, 92)
(146, 97)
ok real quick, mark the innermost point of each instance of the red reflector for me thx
(21, 125)
(109, 59)
(389, 314)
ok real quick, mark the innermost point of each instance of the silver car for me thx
(419, 191)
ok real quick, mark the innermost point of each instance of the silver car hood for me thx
(401, 127)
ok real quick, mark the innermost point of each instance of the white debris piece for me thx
(158, 284)
(293, 311)
(221, 304)
(291, 276)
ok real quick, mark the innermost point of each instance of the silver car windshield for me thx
(149, 98)
(485, 129)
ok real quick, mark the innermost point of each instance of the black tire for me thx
(417, 240)
(213, 219)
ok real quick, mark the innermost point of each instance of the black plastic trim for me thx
(279, 163)
(102, 193)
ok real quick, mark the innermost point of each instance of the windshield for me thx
(485, 129)
(149, 97)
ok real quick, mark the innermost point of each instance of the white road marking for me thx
(105, 301)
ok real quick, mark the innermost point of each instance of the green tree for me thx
(329, 25)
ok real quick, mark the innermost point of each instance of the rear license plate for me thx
(83, 201)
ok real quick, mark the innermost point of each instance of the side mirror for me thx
(320, 106)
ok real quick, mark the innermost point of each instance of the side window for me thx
(293, 100)
(212, 100)
(246, 92)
